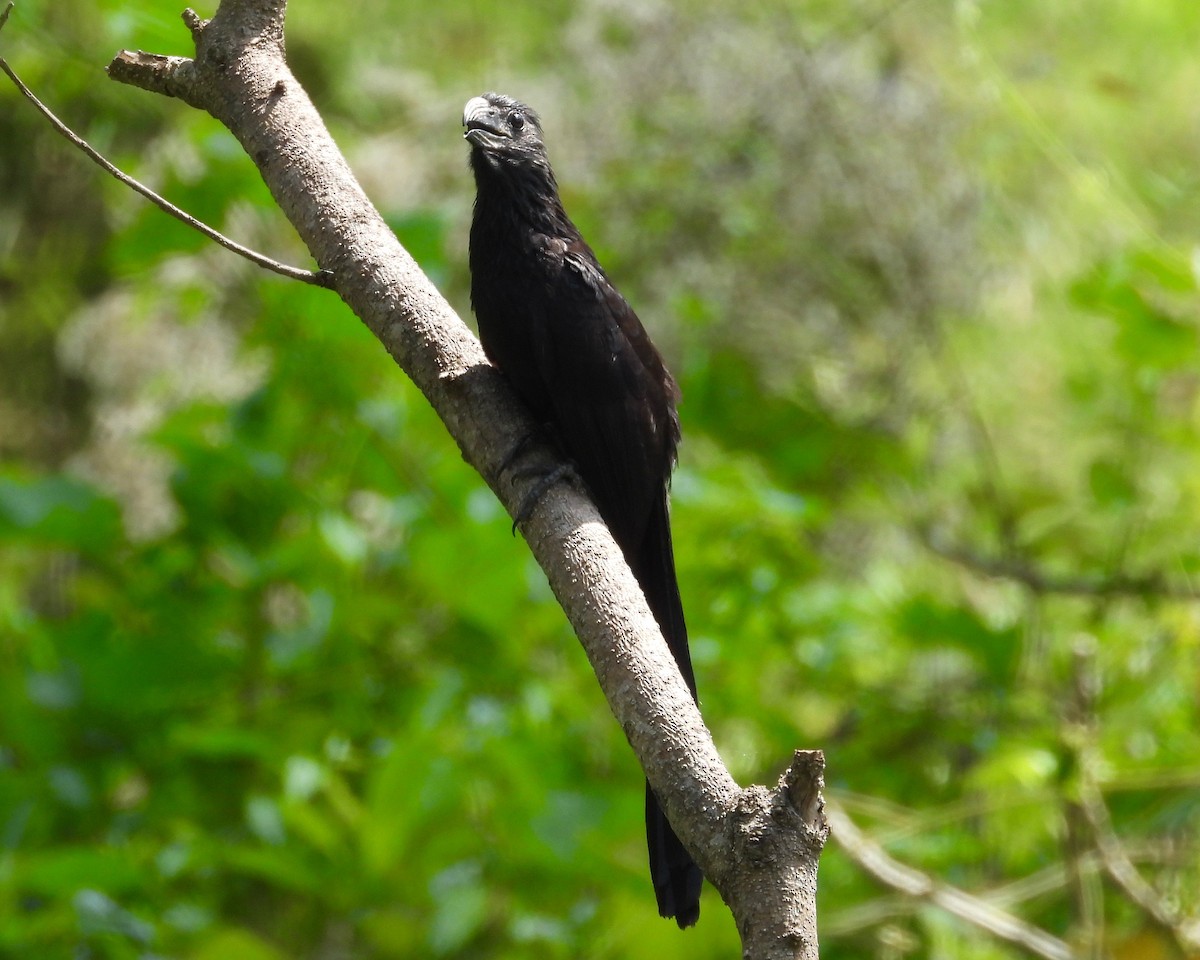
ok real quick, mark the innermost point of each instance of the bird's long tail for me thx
(677, 879)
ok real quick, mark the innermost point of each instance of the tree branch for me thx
(1120, 869)
(293, 273)
(1040, 581)
(1081, 736)
(759, 847)
(887, 870)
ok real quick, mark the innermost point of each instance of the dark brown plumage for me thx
(578, 356)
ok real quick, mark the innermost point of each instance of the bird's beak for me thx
(482, 121)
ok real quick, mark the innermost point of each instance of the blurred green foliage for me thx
(276, 682)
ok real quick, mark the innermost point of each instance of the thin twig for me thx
(1080, 721)
(1080, 734)
(319, 278)
(1120, 869)
(912, 882)
(1039, 581)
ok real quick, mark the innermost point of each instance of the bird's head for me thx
(503, 132)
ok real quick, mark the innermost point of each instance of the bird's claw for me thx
(518, 449)
(547, 480)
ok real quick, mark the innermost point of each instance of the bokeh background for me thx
(275, 681)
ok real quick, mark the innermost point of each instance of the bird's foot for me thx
(547, 479)
(519, 448)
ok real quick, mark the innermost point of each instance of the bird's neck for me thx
(525, 194)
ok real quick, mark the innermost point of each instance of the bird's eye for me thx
(517, 121)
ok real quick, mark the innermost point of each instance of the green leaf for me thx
(62, 870)
(58, 509)
(460, 907)
(1111, 484)
(236, 944)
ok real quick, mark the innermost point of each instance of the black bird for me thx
(577, 354)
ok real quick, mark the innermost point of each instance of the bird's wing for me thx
(618, 421)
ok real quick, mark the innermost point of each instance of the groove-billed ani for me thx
(578, 356)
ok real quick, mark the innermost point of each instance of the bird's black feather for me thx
(579, 357)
